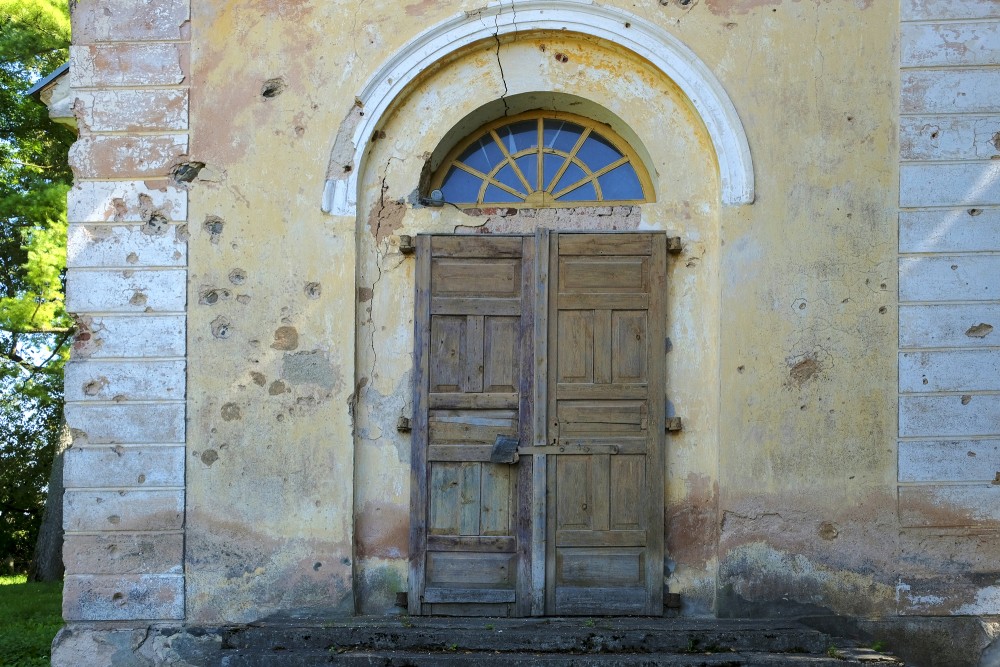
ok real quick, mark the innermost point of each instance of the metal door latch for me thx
(505, 450)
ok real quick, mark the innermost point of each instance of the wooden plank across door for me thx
(473, 380)
(605, 424)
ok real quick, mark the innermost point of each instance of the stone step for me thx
(576, 635)
(351, 658)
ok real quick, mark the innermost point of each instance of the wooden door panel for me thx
(598, 567)
(473, 335)
(470, 569)
(602, 418)
(448, 349)
(500, 357)
(605, 425)
(574, 488)
(576, 354)
(476, 278)
(627, 474)
(607, 275)
(629, 346)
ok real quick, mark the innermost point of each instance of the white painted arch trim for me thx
(645, 39)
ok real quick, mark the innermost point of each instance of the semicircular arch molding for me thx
(645, 39)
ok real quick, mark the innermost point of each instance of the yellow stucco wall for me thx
(781, 313)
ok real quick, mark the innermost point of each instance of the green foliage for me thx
(34, 326)
(30, 616)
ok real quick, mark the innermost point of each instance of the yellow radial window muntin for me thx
(543, 159)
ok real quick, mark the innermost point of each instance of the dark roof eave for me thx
(41, 83)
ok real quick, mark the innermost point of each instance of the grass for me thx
(30, 616)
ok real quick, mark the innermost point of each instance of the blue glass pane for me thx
(620, 183)
(572, 174)
(585, 192)
(483, 154)
(509, 178)
(461, 187)
(519, 136)
(597, 153)
(550, 167)
(561, 135)
(528, 164)
(495, 195)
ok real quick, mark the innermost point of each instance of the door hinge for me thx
(674, 424)
(674, 244)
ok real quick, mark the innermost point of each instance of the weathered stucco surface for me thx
(787, 491)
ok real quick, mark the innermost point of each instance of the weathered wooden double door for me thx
(556, 341)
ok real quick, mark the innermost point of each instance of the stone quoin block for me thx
(948, 505)
(949, 138)
(90, 510)
(104, 336)
(132, 110)
(90, 246)
(124, 466)
(947, 325)
(929, 10)
(949, 184)
(949, 230)
(127, 65)
(124, 553)
(126, 157)
(126, 423)
(949, 461)
(949, 370)
(148, 380)
(126, 291)
(123, 597)
(126, 201)
(949, 278)
(949, 550)
(949, 44)
(949, 91)
(130, 20)
(951, 416)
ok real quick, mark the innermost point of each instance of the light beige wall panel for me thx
(949, 278)
(949, 461)
(128, 291)
(959, 90)
(123, 598)
(123, 64)
(949, 230)
(946, 325)
(949, 44)
(127, 423)
(949, 137)
(120, 381)
(109, 336)
(132, 110)
(133, 246)
(950, 416)
(949, 370)
(124, 466)
(929, 10)
(88, 510)
(124, 553)
(126, 201)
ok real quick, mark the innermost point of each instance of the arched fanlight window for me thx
(543, 159)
